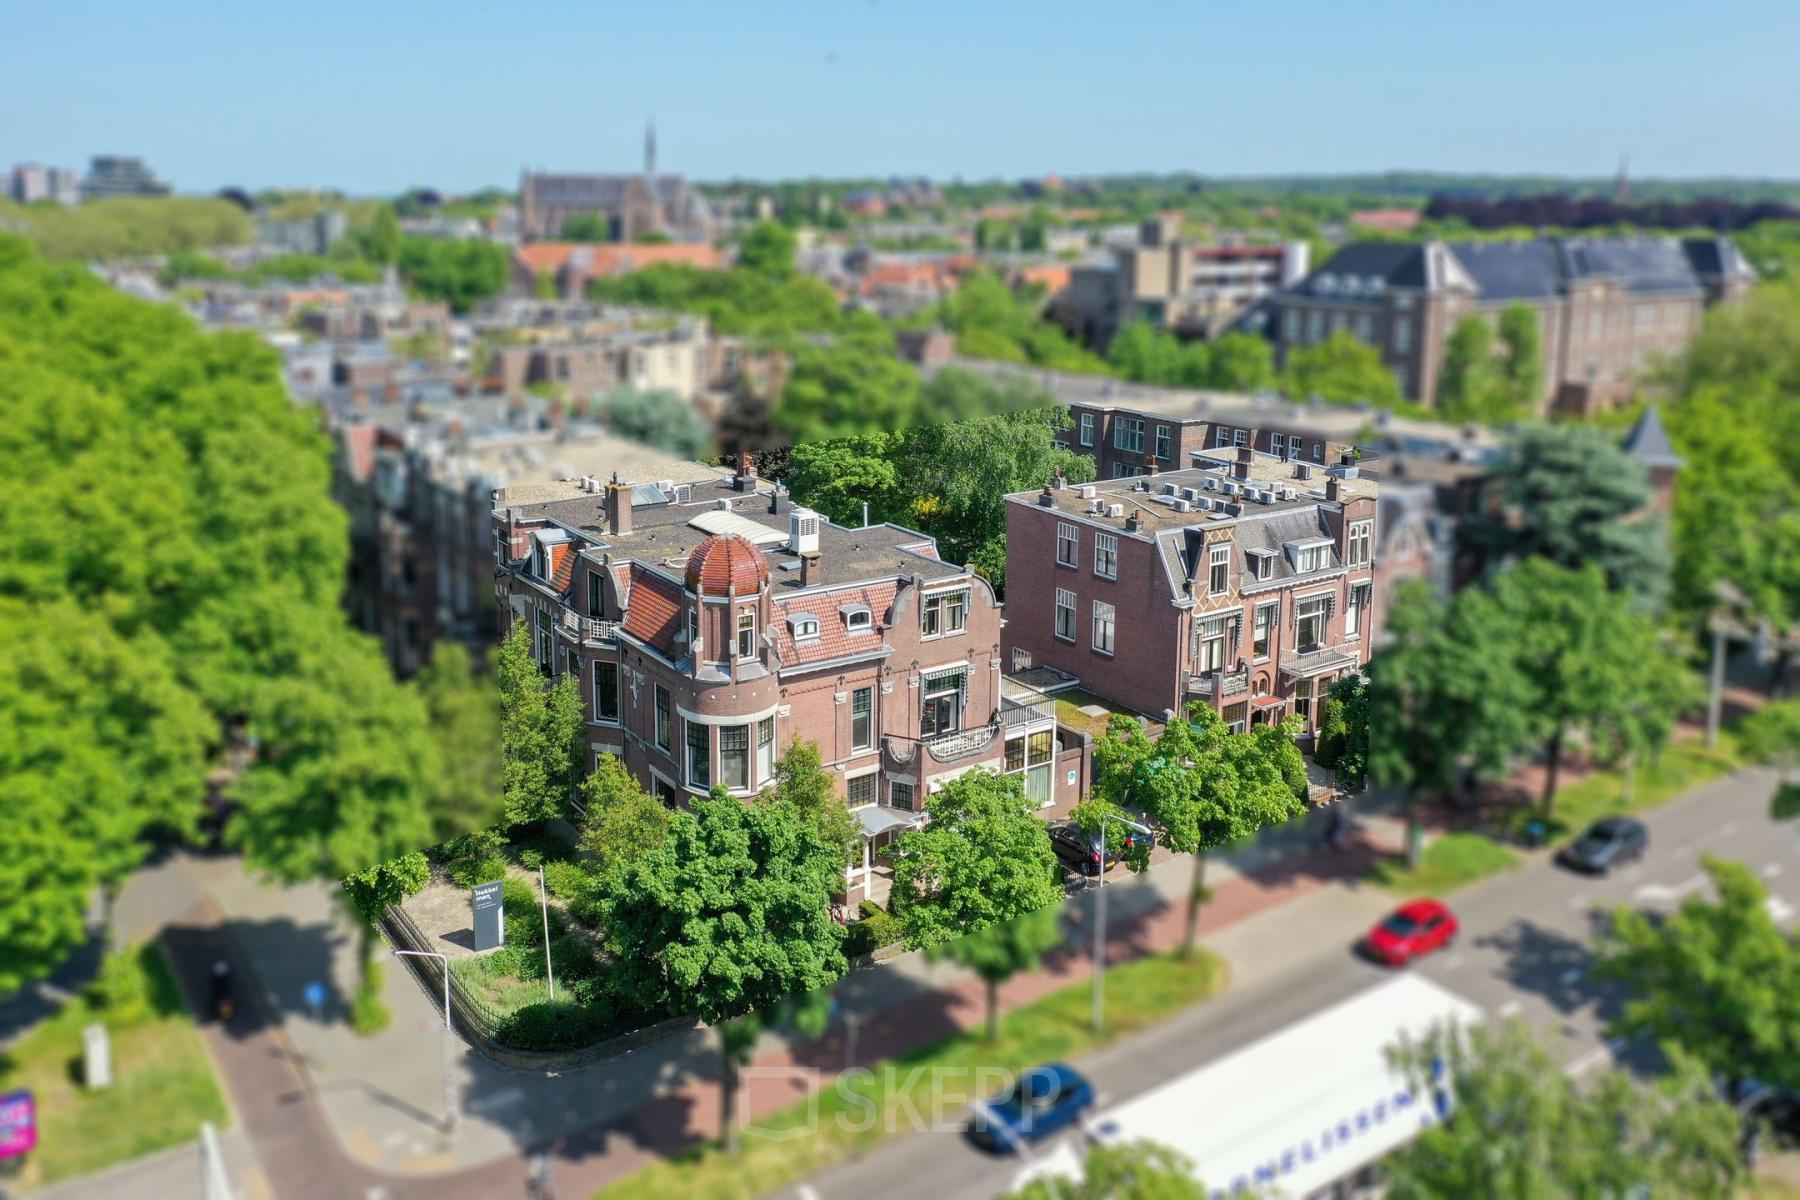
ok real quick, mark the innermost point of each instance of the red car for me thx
(1410, 931)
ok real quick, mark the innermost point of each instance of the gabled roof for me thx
(1649, 443)
(653, 611)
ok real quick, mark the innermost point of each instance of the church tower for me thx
(650, 146)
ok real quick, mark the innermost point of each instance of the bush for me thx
(367, 1013)
(1329, 745)
(876, 929)
(568, 881)
(587, 1015)
(472, 871)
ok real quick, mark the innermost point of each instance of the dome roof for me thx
(726, 562)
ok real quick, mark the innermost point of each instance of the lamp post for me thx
(450, 1110)
(549, 973)
(1100, 929)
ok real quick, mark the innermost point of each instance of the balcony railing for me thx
(1218, 683)
(586, 629)
(1021, 705)
(944, 747)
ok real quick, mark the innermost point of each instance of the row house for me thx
(1245, 582)
(712, 624)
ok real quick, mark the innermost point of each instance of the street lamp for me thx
(1100, 926)
(450, 1111)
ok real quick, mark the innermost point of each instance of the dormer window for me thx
(1262, 563)
(1314, 555)
(857, 618)
(804, 627)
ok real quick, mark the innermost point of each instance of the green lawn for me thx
(1684, 765)
(1138, 994)
(1450, 862)
(163, 1082)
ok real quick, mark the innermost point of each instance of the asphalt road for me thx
(1525, 950)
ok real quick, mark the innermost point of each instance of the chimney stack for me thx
(745, 479)
(618, 506)
(810, 568)
(1246, 456)
(1058, 480)
(1331, 488)
(777, 500)
(1150, 466)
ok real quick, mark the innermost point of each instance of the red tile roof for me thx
(834, 641)
(726, 562)
(562, 561)
(653, 611)
(606, 260)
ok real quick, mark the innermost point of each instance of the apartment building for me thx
(111, 176)
(1191, 288)
(1606, 306)
(712, 623)
(33, 182)
(1245, 582)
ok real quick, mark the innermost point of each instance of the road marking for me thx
(1510, 1008)
(1771, 870)
(1658, 891)
(1572, 975)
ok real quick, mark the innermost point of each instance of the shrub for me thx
(568, 881)
(1329, 744)
(876, 929)
(472, 871)
(367, 1013)
(122, 990)
(587, 1015)
(531, 858)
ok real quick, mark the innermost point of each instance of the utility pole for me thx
(1716, 695)
(1100, 932)
(549, 973)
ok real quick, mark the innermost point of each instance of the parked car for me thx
(1411, 931)
(1606, 843)
(1767, 1112)
(1080, 852)
(1043, 1100)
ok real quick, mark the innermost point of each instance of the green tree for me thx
(591, 227)
(847, 388)
(1201, 786)
(1340, 370)
(1471, 385)
(838, 477)
(1522, 1129)
(624, 822)
(802, 780)
(1521, 338)
(999, 951)
(768, 250)
(1350, 745)
(1129, 1171)
(729, 916)
(370, 892)
(1146, 354)
(1719, 978)
(656, 418)
(543, 286)
(1239, 362)
(1771, 735)
(955, 394)
(381, 241)
(1592, 666)
(1569, 494)
(457, 272)
(464, 719)
(540, 728)
(984, 861)
(1444, 697)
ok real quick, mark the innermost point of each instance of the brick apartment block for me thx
(1245, 582)
(712, 624)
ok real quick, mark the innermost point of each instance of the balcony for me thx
(591, 630)
(1219, 683)
(1318, 660)
(944, 747)
(1022, 706)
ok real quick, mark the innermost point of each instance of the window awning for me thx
(877, 819)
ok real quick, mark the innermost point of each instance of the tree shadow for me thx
(1556, 966)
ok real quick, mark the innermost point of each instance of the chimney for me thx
(1058, 481)
(1048, 498)
(1331, 488)
(810, 568)
(618, 506)
(745, 479)
(1131, 523)
(1246, 456)
(777, 500)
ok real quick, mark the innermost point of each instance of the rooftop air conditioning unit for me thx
(1212, 483)
(1287, 493)
(722, 504)
(1086, 491)
(1094, 508)
(1232, 487)
(1183, 506)
(665, 486)
(803, 531)
(684, 493)
(1115, 510)
(1187, 493)
(1169, 489)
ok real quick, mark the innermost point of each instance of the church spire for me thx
(650, 146)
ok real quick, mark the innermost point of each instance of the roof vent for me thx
(803, 531)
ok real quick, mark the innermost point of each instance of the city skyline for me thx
(373, 102)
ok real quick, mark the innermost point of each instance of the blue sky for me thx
(377, 95)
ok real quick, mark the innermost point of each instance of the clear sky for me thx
(375, 95)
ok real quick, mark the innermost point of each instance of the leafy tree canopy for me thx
(1340, 370)
(656, 418)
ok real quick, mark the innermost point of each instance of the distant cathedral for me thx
(633, 206)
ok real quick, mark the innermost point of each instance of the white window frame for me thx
(1266, 617)
(1163, 442)
(746, 654)
(1106, 555)
(748, 752)
(1068, 535)
(1240, 437)
(1105, 628)
(937, 609)
(689, 749)
(1315, 607)
(1065, 604)
(868, 741)
(765, 750)
(873, 776)
(1087, 429)
(1128, 434)
(1361, 543)
(616, 706)
(1218, 569)
(1354, 608)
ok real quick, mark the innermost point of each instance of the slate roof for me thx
(1525, 270)
(1649, 443)
(1717, 258)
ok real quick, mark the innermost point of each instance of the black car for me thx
(1768, 1114)
(1080, 852)
(1607, 843)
